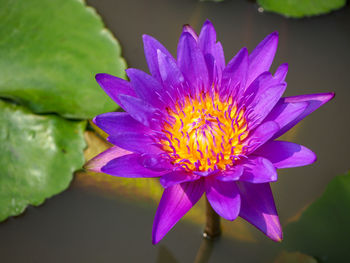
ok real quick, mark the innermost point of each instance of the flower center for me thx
(204, 133)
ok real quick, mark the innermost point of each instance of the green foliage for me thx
(323, 230)
(50, 52)
(301, 8)
(38, 157)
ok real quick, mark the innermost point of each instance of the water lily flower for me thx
(205, 127)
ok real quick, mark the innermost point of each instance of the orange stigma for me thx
(204, 133)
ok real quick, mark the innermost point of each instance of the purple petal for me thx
(146, 87)
(264, 103)
(223, 197)
(261, 96)
(260, 85)
(129, 166)
(115, 123)
(176, 201)
(258, 170)
(151, 45)
(281, 72)
(96, 163)
(286, 154)
(177, 177)
(262, 56)
(260, 135)
(191, 63)
(234, 75)
(258, 208)
(114, 86)
(141, 111)
(171, 76)
(284, 113)
(213, 52)
(219, 55)
(207, 38)
(156, 162)
(231, 175)
(135, 142)
(314, 102)
(189, 29)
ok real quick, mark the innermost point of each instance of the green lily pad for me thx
(301, 8)
(323, 229)
(50, 52)
(38, 157)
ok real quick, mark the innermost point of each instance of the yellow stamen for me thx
(205, 133)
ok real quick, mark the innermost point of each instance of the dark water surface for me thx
(84, 224)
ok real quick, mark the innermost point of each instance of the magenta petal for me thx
(258, 208)
(286, 154)
(224, 198)
(176, 201)
(96, 163)
(262, 56)
(189, 29)
(231, 175)
(129, 166)
(234, 75)
(207, 38)
(135, 142)
(115, 123)
(151, 45)
(171, 76)
(281, 72)
(259, 86)
(114, 86)
(314, 102)
(219, 55)
(177, 177)
(146, 87)
(260, 135)
(156, 162)
(141, 111)
(191, 62)
(265, 102)
(261, 96)
(284, 113)
(207, 43)
(258, 170)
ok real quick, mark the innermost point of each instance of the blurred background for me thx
(100, 218)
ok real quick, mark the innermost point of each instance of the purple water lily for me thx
(204, 126)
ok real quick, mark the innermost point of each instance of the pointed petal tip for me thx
(331, 95)
(131, 71)
(186, 35)
(207, 22)
(155, 240)
(245, 51)
(94, 120)
(277, 238)
(273, 36)
(146, 38)
(100, 76)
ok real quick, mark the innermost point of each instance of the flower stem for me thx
(205, 251)
(212, 228)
